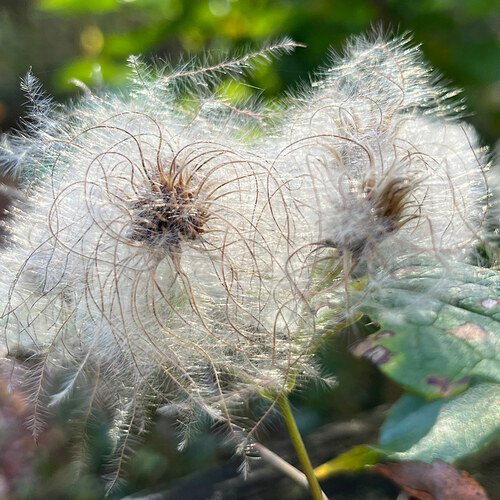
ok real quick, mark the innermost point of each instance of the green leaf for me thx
(416, 429)
(439, 328)
(446, 429)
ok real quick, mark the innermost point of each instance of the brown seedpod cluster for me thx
(172, 212)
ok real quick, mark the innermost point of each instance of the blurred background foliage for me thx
(90, 40)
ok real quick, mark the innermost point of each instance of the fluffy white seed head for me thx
(162, 262)
(379, 146)
(151, 265)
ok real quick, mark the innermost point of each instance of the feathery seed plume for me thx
(160, 261)
(379, 145)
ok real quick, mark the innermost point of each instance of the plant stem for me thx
(280, 464)
(300, 449)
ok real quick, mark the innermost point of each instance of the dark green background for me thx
(65, 39)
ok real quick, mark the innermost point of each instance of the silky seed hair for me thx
(385, 167)
(151, 267)
(163, 263)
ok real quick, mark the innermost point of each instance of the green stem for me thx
(300, 449)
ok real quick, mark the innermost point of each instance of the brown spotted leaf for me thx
(439, 338)
(436, 481)
(439, 328)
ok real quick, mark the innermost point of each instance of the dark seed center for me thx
(173, 213)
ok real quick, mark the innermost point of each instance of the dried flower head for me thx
(172, 212)
(379, 145)
(163, 262)
(151, 267)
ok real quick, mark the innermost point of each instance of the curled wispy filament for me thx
(165, 268)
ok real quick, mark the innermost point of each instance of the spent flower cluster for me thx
(159, 260)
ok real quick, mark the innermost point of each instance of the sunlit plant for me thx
(164, 259)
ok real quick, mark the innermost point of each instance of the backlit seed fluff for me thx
(379, 145)
(150, 264)
(160, 262)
